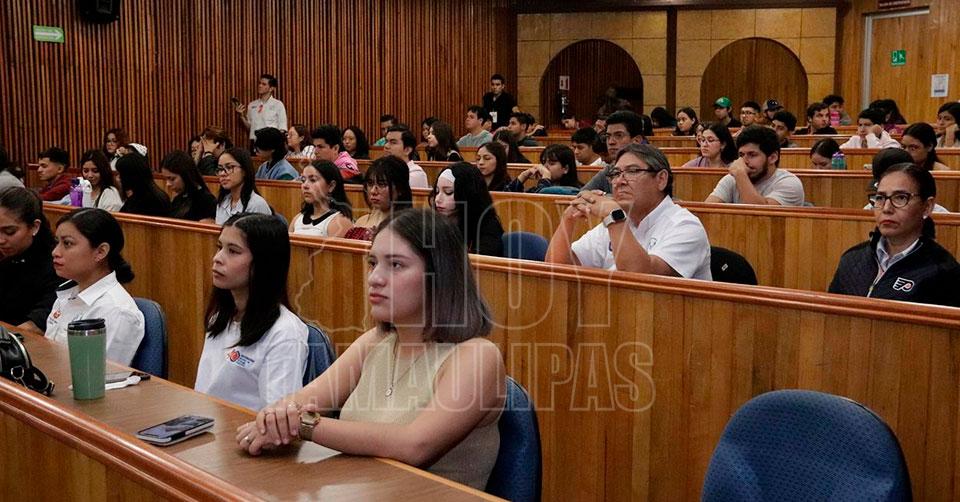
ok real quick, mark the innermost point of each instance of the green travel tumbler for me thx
(87, 342)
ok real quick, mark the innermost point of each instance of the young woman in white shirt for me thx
(326, 211)
(87, 254)
(255, 351)
(424, 386)
(95, 168)
(299, 144)
(238, 188)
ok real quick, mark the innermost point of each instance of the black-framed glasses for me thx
(382, 185)
(899, 199)
(629, 174)
(227, 169)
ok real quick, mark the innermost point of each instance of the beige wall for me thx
(541, 36)
(809, 33)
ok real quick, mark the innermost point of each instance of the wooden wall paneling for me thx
(581, 61)
(166, 70)
(754, 69)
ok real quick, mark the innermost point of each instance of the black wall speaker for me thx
(99, 11)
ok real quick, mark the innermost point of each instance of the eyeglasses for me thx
(899, 199)
(227, 169)
(704, 140)
(383, 185)
(629, 174)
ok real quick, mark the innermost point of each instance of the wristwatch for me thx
(308, 422)
(615, 216)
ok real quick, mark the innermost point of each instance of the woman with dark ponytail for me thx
(87, 254)
(901, 261)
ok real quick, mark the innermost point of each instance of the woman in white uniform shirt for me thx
(326, 211)
(255, 351)
(238, 188)
(87, 254)
(95, 168)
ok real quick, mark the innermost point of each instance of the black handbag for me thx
(15, 364)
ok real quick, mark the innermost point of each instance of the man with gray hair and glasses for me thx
(642, 230)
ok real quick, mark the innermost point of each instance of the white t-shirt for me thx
(257, 204)
(418, 177)
(669, 232)
(269, 113)
(317, 229)
(259, 374)
(884, 141)
(109, 200)
(105, 299)
(783, 187)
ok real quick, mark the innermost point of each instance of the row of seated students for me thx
(255, 349)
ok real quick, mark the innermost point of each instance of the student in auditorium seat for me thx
(255, 349)
(509, 143)
(821, 153)
(272, 143)
(717, 147)
(88, 255)
(948, 131)
(141, 195)
(870, 133)
(355, 143)
(192, 199)
(461, 194)
(583, 141)
(95, 168)
(424, 386)
(112, 140)
(492, 164)
(50, 169)
(9, 172)
(386, 188)
(818, 120)
(476, 135)
(28, 283)
(328, 145)
(402, 144)
(901, 261)
(238, 186)
(754, 178)
(557, 171)
(920, 141)
(441, 145)
(687, 122)
(883, 160)
(299, 143)
(326, 211)
(641, 228)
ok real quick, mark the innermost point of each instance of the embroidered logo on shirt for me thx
(653, 242)
(239, 359)
(902, 284)
(56, 314)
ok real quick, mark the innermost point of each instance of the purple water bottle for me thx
(76, 193)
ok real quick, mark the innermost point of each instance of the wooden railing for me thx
(634, 376)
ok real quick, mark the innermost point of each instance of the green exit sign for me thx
(898, 57)
(50, 34)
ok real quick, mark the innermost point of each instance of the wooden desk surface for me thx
(203, 467)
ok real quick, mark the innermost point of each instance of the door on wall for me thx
(896, 45)
(590, 67)
(754, 69)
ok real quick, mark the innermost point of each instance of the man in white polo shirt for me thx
(266, 110)
(642, 229)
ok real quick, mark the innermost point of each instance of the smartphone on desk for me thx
(176, 430)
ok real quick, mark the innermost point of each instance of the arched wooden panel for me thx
(167, 69)
(755, 69)
(593, 66)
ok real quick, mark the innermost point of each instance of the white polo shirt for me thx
(257, 204)
(259, 374)
(105, 299)
(269, 113)
(669, 232)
